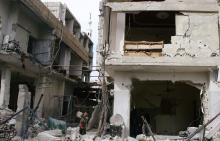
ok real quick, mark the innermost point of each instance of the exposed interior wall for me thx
(123, 87)
(155, 34)
(150, 26)
(190, 39)
(168, 107)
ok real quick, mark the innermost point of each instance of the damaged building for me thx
(43, 52)
(163, 58)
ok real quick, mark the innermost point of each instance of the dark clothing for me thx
(82, 131)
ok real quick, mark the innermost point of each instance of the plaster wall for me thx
(172, 107)
(117, 33)
(123, 86)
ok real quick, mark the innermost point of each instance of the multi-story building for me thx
(163, 56)
(44, 50)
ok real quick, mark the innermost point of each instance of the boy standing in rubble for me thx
(83, 123)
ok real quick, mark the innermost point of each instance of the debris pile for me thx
(36, 128)
(5, 113)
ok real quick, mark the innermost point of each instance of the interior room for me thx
(168, 107)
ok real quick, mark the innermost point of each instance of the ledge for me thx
(37, 7)
(163, 6)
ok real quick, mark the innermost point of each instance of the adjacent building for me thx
(42, 47)
(163, 57)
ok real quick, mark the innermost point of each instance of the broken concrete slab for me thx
(51, 135)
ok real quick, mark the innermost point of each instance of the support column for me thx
(213, 100)
(5, 87)
(122, 100)
(24, 100)
(213, 95)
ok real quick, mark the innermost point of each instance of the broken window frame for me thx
(149, 48)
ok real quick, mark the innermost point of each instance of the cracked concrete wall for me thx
(196, 36)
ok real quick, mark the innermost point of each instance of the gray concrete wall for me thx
(76, 66)
(4, 13)
(42, 51)
(50, 87)
(28, 25)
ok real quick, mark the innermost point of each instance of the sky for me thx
(81, 9)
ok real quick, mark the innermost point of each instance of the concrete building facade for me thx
(44, 49)
(163, 56)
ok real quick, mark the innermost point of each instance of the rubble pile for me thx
(5, 113)
(36, 128)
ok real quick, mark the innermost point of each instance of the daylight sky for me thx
(81, 9)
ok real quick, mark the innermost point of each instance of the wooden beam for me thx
(37, 7)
